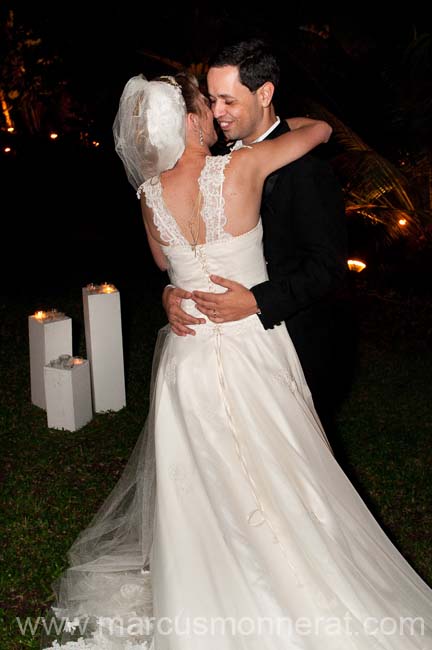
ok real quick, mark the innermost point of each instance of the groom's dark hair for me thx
(255, 60)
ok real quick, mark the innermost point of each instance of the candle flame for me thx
(402, 222)
(356, 265)
(107, 288)
(51, 314)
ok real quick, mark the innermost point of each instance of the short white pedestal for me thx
(104, 343)
(68, 394)
(49, 336)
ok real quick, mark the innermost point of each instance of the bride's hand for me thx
(177, 317)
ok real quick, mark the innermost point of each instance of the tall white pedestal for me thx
(50, 334)
(68, 393)
(104, 343)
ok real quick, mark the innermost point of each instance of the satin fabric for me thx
(259, 540)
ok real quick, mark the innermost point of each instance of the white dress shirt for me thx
(239, 143)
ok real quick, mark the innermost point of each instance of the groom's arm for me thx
(235, 303)
(274, 300)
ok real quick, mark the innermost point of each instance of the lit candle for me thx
(107, 288)
(66, 361)
(50, 315)
(356, 265)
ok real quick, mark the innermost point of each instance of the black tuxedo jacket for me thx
(305, 246)
(305, 240)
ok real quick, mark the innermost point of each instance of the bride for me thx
(233, 526)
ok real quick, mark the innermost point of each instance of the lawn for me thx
(53, 481)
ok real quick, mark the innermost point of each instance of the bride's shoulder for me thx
(148, 187)
(242, 158)
(216, 163)
(219, 158)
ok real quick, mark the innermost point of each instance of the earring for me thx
(201, 138)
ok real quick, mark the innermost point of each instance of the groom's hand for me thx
(235, 303)
(178, 318)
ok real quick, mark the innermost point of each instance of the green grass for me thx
(54, 481)
(386, 424)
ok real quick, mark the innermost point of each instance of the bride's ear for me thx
(193, 122)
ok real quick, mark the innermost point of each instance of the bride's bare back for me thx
(186, 194)
(182, 197)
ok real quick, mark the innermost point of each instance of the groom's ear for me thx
(265, 93)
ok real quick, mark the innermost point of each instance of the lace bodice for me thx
(213, 211)
(239, 258)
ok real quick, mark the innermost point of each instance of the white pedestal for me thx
(104, 343)
(68, 396)
(47, 339)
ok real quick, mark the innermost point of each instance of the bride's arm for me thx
(267, 156)
(295, 123)
(158, 254)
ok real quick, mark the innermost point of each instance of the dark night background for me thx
(69, 214)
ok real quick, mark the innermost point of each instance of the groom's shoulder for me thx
(315, 163)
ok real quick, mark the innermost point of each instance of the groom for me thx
(303, 217)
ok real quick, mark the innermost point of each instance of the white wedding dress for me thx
(252, 536)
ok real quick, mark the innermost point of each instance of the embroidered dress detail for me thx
(211, 184)
(213, 214)
(163, 220)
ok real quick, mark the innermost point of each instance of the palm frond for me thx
(374, 186)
